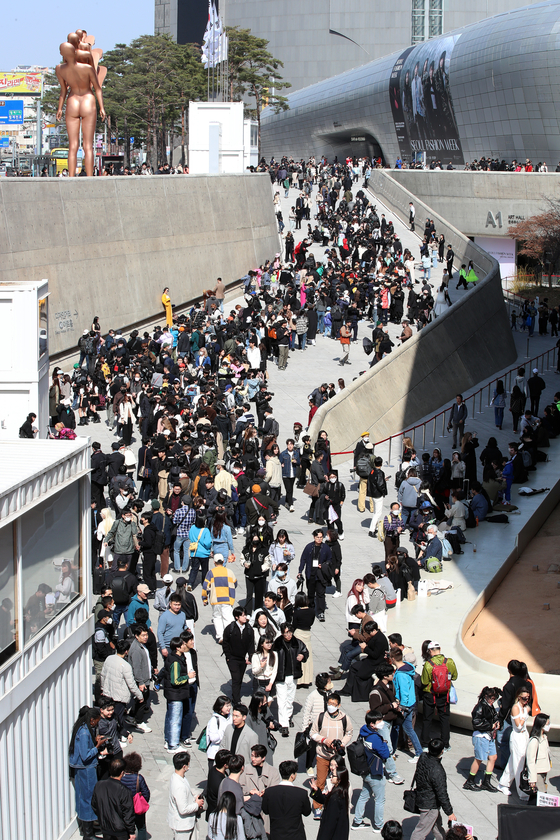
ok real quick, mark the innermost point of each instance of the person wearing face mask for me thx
(280, 578)
(281, 550)
(431, 549)
(329, 727)
(377, 752)
(263, 531)
(255, 561)
(315, 703)
(118, 683)
(332, 499)
(102, 646)
(538, 756)
(123, 536)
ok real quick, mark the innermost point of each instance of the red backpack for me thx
(441, 678)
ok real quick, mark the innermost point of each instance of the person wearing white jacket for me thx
(183, 805)
(118, 683)
(216, 727)
(315, 704)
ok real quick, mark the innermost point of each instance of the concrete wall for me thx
(109, 246)
(496, 200)
(467, 343)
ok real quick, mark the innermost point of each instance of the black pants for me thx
(196, 564)
(149, 570)
(256, 587)
(535, 405)
(120, 711)
(316, 590)
(431, 703)
(97, 495)
(237, 670)
(289, 488)
(140, 707)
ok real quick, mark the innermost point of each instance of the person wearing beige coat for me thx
(538, 753)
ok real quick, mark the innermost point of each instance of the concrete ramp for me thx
(109, 246)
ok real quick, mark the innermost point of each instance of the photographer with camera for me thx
(383, 700)
(332, 731)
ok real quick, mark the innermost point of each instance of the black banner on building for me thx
(422, 105)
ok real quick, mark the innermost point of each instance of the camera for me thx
(337, 747)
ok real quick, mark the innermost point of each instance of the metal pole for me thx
(542, 362)
(480, 402)
(423, 436)
(39, 144)
(434, 432)
(548, 359)
(389, 457)
(443, 424)
(488, 401)
(527, 354)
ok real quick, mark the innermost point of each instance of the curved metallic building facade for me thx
(487, 89)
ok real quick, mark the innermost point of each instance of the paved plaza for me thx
(430, 618)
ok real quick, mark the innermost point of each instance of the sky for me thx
(30, 33)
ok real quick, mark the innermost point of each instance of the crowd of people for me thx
(175, 525)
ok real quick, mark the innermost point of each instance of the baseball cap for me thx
(181, 581)
(434, 645)
(535, 370)
(256, 488)
(221, 462)
(167, 578)
(425, 505)
(103, 614)
(142, 587)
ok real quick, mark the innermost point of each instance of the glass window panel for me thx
(50, 546)
(418, 21)
(8, 625)
(435, 18)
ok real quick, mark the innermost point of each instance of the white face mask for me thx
(379, 724)
(546, 728)
(332, 709)
(110, 621)
(365, 440)
(430, 535)
(332, 480)
(261, 522)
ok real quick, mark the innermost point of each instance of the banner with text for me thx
(422, 104)
(29, 83)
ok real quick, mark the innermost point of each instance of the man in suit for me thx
(114, 460)
(239, 645)
(313, 556)
(238, 736)
(286, 804)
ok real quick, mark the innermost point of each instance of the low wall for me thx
(109, 246)
(465, 345)
(480, 203)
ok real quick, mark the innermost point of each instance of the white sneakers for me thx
(143, 727)
(337, 594)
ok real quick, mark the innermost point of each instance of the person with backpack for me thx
(371, 767)
(383, 699)
(200, 547)
(330, 730)
(123, 587)
(363, 464)
(376, 490)
(438, 674)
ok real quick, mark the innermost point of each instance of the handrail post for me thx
(480, 402)
(443, 425)
(389, 456)
(488, 400)
(434, 432)
(423, 436)
(542, 363)
(414, 436)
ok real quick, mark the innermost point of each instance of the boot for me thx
(87, 830)
(487, 784)
(470, 784)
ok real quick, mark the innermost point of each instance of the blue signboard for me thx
(4, 142)
(11, 111)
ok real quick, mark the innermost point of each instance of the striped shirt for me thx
(219, 586)
(184, 517)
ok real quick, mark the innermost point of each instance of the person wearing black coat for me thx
(431, 793)
(485, 723)
(518, 678)
(98, 476)
(255, 556)
(285, 804)
(114, 804)
(333, 493)
(290, 652)
(359, 678)
(149, 554)
(238, 646)
(313, 556)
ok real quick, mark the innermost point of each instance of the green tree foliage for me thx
(539, 237)
(146, 92)
(253, 72)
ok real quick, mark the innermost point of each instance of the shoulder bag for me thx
(144, 471)
(409, 799)
(141, 804)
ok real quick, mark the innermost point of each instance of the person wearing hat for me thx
(406, 331)
(364, 451)
(164, 593)
(139, 601)
(432, 695)
(223, 480)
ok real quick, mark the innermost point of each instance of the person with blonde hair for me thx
(107, 521)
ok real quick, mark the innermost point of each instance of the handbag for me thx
(202, 741)
(301, 742)
(453, 695)
(271, 740)
(144, 471)
(194, 545)
(311, 490)
(141, 804)
(409, 799)
(524, 785)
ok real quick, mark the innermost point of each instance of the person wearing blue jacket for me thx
(377, 752)
(405, 692)
(201, 536)
(291, 462)
(139, 601)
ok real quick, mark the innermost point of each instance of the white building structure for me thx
(24, 361)
(46, 627)
(220, 140)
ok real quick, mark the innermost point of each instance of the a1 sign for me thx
(11, 111)
(548, 801)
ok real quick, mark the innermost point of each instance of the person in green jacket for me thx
(432, 695)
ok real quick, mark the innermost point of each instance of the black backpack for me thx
(400, 476)
(363, 466)
(470, 518)
(120, 592)
(89, 345)
(159, 543)
(357, 757)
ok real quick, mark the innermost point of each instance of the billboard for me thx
(29, 83)
(422, 104)
(11, 111)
